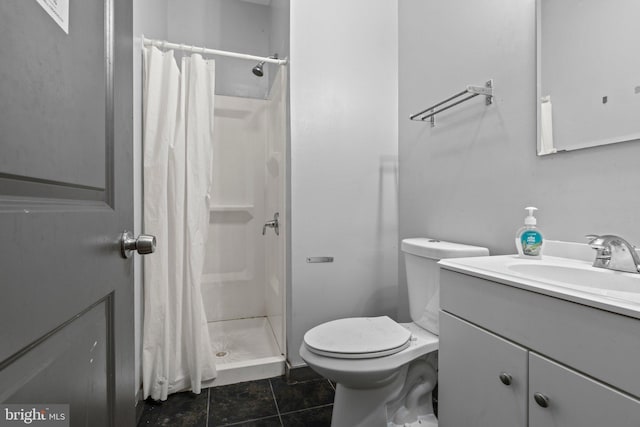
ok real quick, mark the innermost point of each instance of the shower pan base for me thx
(244, 350)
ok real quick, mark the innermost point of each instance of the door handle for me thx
(272, 224)
(144, 244)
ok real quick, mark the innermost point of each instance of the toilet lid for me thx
(358, 338)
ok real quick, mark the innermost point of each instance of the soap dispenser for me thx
(529, 239)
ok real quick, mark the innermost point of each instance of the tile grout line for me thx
(241, 423)
(208, 403)
(308, 409)
(276, 402)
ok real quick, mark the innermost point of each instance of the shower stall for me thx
(243, 275)
(243, 283)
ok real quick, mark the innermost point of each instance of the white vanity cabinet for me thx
(478, 370)
(569, 365)
(574, 400)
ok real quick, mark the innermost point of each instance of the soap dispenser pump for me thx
(529, 239)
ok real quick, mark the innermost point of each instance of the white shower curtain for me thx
(178, 130)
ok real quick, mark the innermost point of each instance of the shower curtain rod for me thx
(180, 46)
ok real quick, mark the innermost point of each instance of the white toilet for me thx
(385, 371)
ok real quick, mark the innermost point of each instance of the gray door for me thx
(66, 301)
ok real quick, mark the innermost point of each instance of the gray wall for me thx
(231, 25)
(468, 179)
(343, 162)
(278, 35)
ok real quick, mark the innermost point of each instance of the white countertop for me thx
(500, 269)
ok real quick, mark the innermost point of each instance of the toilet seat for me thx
(358, 338)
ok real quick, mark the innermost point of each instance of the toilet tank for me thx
(421, 256)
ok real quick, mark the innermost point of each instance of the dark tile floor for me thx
(304, 399)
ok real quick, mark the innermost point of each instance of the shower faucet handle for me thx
(272, 224)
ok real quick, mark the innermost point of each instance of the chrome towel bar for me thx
(486, 90)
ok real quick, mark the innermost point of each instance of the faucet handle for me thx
(595, 241)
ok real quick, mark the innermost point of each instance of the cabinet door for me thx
(471, 391)
(575, 400)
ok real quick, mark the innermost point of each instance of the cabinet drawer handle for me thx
(505, 378)
(541, 400)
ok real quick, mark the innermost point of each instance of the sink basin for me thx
(600, 281)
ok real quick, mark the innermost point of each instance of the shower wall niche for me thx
(243, 279)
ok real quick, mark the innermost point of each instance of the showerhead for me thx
(257, 70)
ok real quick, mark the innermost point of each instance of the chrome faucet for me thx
(614, 253)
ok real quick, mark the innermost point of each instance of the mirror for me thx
(588, 73)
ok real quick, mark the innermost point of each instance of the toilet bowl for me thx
(368, 370)
(386, 371)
